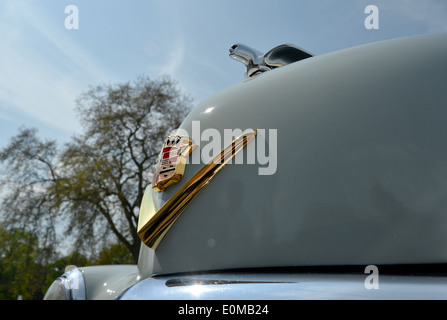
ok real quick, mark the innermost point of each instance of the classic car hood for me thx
(356, 174)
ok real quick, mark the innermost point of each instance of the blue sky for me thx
(44, 67)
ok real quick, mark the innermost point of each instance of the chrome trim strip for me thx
(291, 286)
(181, 282)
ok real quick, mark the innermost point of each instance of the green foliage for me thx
(115, 254)
(28, 271)
(22, 268)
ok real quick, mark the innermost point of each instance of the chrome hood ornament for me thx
(256, 62)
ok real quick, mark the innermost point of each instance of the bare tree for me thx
(95, 182)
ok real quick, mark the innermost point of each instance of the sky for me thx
(45, 63)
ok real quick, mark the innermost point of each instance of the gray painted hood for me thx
(361, 166)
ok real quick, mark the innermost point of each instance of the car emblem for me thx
(154, 223)
(171, 162)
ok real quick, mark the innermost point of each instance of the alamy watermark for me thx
(72, 20)
(262, 151)
(372, 280)
(372, 20)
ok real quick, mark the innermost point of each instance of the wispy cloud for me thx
(43, 70)
(174, 58)
(431, 13)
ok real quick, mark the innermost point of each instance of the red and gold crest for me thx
(171, 162)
